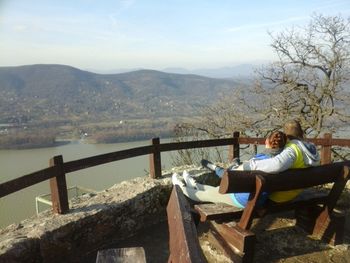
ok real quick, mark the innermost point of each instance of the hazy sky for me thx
(156, 34)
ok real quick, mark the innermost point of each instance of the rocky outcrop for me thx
(92, 222)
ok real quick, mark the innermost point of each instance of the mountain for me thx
(59, 92)
(239, 71)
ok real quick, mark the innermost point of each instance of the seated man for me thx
(296, 154)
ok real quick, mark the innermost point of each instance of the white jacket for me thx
(285, 159)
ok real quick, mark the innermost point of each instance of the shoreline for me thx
(62, 142)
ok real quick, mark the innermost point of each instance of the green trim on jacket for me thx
(284, 196)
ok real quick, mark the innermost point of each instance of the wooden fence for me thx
(57, 170)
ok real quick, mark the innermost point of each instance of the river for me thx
(15, 163)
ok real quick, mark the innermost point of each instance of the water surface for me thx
(16, 163)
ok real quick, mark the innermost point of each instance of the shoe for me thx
(235, 164)
(207, 164)
(175, 178)
(189, 180)
(236, 161)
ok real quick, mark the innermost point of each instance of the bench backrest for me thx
(255, 182)
(245, 181)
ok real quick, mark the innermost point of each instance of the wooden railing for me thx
(57, 170)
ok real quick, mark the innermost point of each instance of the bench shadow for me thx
(278, 238)
(153, 238)
(274, 245)
(154, 241)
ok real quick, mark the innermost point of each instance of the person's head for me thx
(293, 129)
(276, 140)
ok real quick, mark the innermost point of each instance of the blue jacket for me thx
(241, 199)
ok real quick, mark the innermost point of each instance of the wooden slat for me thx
(238, 181)
(332, 199)
(250, 208)
(164, 147)
(271, 207)
(242, 240)
(155, 163)
(58, 186)
(245, 140)
(183, 241)
(340, 142)
(26, 181)
(233, 149)
(317, 141)
(241, 140)
(244, 181)
(224, 213)
(76, 165)
(216, 211)
(326, 150)
(333, 142)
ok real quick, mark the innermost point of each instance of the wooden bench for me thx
(183, 240)
(314, 209)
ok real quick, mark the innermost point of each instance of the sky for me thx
(153, 34)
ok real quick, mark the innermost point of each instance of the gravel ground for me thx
(277, 241)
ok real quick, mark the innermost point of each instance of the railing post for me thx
(155, 165)
(233, 150)
(326, 152)
(58, 185)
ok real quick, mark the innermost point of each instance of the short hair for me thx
(293, 129)
(277, 139)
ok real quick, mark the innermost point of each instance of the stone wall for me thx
(93, 221)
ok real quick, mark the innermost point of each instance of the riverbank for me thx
(27, 143)
(48, 134)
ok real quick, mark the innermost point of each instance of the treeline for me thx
(26, 140)
(130, 135)
(51, 134)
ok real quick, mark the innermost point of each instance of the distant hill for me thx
(59, 92)
(241, 71)
(238, 71)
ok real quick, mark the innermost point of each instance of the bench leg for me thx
(237, 243)
(316, 222)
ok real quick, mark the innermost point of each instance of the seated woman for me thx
(298, 153)
(274, 144)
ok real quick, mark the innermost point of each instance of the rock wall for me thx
(93, 221)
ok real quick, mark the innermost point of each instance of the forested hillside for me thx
(52, 92)
(61, 99)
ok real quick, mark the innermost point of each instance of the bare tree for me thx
(308, 78)
(307, 82)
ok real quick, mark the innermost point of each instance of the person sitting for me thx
(274, 144)
(297, 153)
